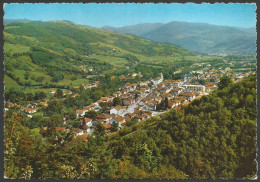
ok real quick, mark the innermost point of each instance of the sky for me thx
(118, 15)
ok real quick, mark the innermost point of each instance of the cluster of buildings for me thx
(209, 74)
(29, 108)
(91, 85)
(140, 101)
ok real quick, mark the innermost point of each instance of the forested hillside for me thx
(212, 138)
(60, 53)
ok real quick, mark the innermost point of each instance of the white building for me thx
(80, 113)
(158, 80)
(116, 110)
(195, 88)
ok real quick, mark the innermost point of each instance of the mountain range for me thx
(199, 37)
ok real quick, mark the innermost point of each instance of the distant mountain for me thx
(198, 37)
(139, 29)
(7, 21)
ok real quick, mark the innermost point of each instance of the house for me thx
(104, 118)
(147, 114)
(107, 126)
(86, 121)
(29, 110)
(68, 92)
(181, 99)
(173, 103)
(84, 137)
(116, 110)
(158, 98)
(52, 91)
(138, 113)
(123, 96)
(136, 92)
(86, 108)
(147, 99)
(95, 84)
(144, 107)
(188, 95)
(158, 80)
(129, 115)
(178, 83)
(139, 118)
(104, 99)
(161, 85)
(155, 93)
(143, 83)
(134, 74)
(77, 131)
(210, 86)
(43, 104)
(143, 113)
(176, 90)
(145, 88)
(118, 119)
(46, 100)
(151, 106)
(128, 101)
(195, 87)
(94, 106)
(131, 86)
(168, 95)
(75, 95)
(10, 104)
(123, 124)
(61, 129)
(80, 113)
(86, 124)
(127, 119)
(110, 98)
(142, 90)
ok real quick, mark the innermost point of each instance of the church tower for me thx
(162, 76)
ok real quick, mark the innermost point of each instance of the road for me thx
(131, 109)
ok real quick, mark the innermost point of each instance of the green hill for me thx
(60, 52)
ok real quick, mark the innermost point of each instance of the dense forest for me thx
(212, 138)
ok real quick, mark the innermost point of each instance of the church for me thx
(157, 80)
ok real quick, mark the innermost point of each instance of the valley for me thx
(87, 103)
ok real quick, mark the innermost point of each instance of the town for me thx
(141, 100)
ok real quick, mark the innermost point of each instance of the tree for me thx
(14, 95)
(26, 75)
(99, 129)
(114, 126)
(166, 104)
(40, 79)
(29, 96)
(53, 107)
(117, 101)
(40, 95)
(55, 121)
(81, 89)
(136, 96)
(225, 81)
(91, 114)
(59, 93)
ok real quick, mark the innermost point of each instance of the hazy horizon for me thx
(132, 24)
(127, 14)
